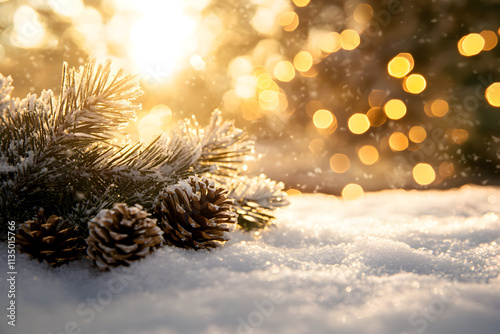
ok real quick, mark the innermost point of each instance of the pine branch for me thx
(220, 148)
(91, 107)
(136, 173)
(256, 198)
(58, 153)
(95, 103)
(188, 150)
(42, 138)
(225, 146)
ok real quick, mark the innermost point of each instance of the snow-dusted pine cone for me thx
(54, 240)
(195, 213)
(122, 235)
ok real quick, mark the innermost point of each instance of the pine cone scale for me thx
(185, 200)
(101, 233)
(193, 222)
(48, 239)
(127, 248)
(117, 236)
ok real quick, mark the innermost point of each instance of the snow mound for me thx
(395, 262)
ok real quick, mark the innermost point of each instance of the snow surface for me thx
(395, 262)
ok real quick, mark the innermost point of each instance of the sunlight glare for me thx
(161, 37)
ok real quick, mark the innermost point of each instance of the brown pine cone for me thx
(54, 240)
(195, 213)
(122, 235)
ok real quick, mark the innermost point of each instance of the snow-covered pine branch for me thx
(224, 145)
(256, 198)
(59, 152)
(44, 137)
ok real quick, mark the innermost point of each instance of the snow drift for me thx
(394, 262)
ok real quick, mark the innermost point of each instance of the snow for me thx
(394, 262)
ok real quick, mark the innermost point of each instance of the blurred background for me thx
(342, 97)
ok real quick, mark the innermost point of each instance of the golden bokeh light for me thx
(283, 106)
(395, 109)
(311, 73)
(301, 3)
(423, 174)
(240, 66)
(269, 99)
(471, 44)
(293, 192)
(268, 95)
(284, 71)
(29, 31)
(245, 86)
(439, 108)
(493, 94)
(490, 39)
(400, 65)
(303, 61)
(460, 46)
(376, 116)
(250, 109)
(427, 108)
(67, 8)
(363, 13)
(339, 163)
(414, 83)
(352, 192)
(151, 124)
(313, 106)
(330, 42)
(446, 169)
(264, 20)
(197, 62)
(377, 98)
(458, 136)
(316, 146)
(350, 39)
(368, 155)
(264, 81)
(358, 123)
(417, 134)
(289, 20)
(398, 141)
(324, 119)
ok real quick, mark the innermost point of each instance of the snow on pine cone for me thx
(195, 213)
(54, 240)
(121, 235)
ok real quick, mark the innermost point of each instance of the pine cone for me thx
(54, 240)
(195, 213)
(122, 235)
